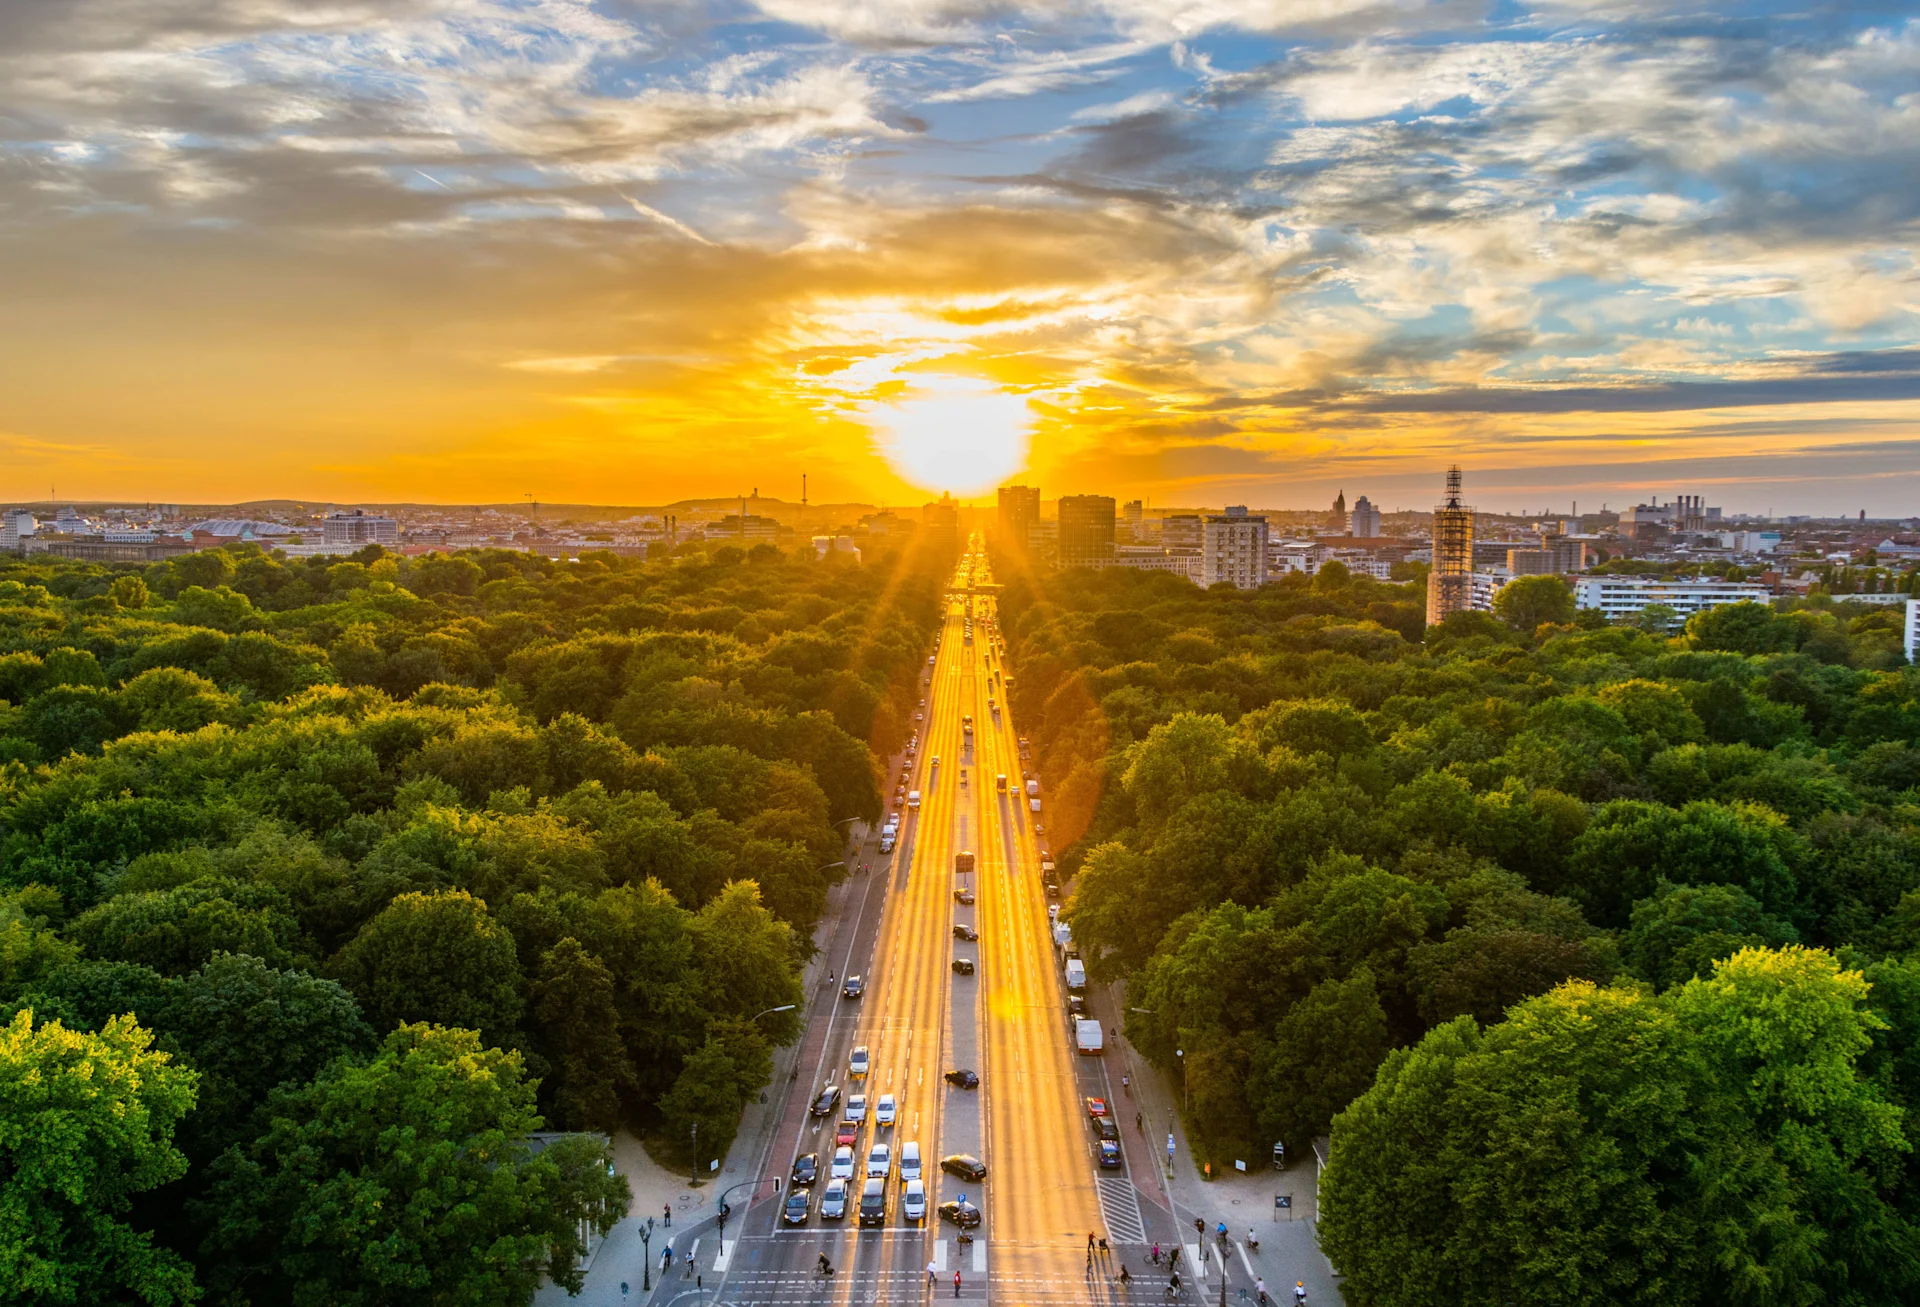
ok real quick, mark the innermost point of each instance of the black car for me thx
(799, 1202)
(963, 1214)
(967, 933)
(853, 988)
(1109, 1155)
(959, 1080)
(1052, 887)
(806, 1169)
(965, 1166)
(1077, 1004)
(1104, 1127)
(963, 895)
(828, 1100)
(962, 967)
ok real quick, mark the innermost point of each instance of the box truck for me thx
(1033, 787)
(1076, 975)
(1088, 1035)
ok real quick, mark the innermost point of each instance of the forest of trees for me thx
(1595, 949)
(326, 884)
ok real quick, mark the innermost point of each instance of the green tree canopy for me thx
(438, 958)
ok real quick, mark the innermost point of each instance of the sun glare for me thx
(958, 434)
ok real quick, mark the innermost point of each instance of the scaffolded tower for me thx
(1450, 583)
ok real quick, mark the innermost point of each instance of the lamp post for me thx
(646, 1256)
(784, 1007)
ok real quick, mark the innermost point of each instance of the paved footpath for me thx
(614, 1276)
(1288, 1250)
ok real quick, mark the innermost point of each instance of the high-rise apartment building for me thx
(1364, 520)
(1019, 511)
(1134, 514)
(940, 525)
(1086, 530)
(1556, 554)
(1450, 583)
(359, 528)
(1182, 531)
(1234, 549)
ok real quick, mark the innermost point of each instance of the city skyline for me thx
(1195, 253)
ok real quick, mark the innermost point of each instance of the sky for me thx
(1195, 251)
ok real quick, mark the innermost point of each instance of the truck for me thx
(1090, 1037)
(1076, 975)
(1034, 804)
(962, 862)
(1033, 786)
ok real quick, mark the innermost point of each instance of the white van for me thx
(913, 800)
(1034, 804)
(910, 1160)
(1076, 975)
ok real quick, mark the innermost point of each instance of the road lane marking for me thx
(939, 1254)
(980, 1256)
(726, 1254)
(1194, 1258)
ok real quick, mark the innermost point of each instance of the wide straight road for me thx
(918, 1020)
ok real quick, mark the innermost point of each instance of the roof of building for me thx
(239, 526)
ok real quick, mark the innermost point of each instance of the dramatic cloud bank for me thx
(1212, 248)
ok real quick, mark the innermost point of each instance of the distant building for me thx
(99, 549)
(941, 522)
(1182, 531)
(1134, 514)
(1450, 583)
(358, 528)
(1086, 530)
(1365, 518)
(242, 528)
(1555, 555)
(745, 529)
(15, 528)
(1234, 549)
(1621, 598)
(824, 545)
(1913, 627)
(1154, 558)
(1019, 510)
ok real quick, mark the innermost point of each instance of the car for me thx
(833, 1200)
(963, 895)
(799, 1202)
(879, 1160)
(885, 1110)
(964, 1165)
(856, 1108)
(961, 1213)
(1096, 1107)
(1077, 1005)
(929, 660)
(913, 1201)
(1109, 1154)
(910, 1160)
(963, 1079)
(852, 987)
(873, 1203)
(846, 1134)
(1104, 1128)
(936, 760)
(841, 1168)
(966, 932)
(1051, 885)
(857, 1064)
(919, 717)
(963, 966)
(886, 843)
(1053, 912)
(1038, 829)
(923, 703)
(806, 1169)
(963, 776)
(827, 1100)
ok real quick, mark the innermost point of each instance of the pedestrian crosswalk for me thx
(900, 1287)
(1120, 1209)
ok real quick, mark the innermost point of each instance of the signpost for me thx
(1282, 1203)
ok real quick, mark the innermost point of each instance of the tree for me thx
(176, 930)
(1527, 603)
(574, 1005)
(706, 1095)
(410, 1178)
(249, 1029)
(1323, 1055)
(1681, 931)
(438, 958)
(1746, 628)
(86, 1123)
(1631, 846)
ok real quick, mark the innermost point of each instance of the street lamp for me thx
(784, 1007)
(646, 1256)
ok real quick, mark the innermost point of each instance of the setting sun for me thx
(956, 434)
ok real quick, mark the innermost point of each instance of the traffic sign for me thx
(1169, 1143)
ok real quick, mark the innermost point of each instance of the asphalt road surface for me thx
(1008, 1022)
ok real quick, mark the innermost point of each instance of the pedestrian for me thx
(830, 977)
(956, 1284)
(930, 1276)
(1156, 1252)
(1125, 1279)
(1089, 1243)
(623, 1288)
(669, 1216)
(1260, 1287)
(1139, 1123)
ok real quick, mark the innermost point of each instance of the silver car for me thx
(833, 1202)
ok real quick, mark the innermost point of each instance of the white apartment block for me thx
(1621, 598)
(1234, 549)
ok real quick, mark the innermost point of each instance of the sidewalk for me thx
(614, 1273)
(1289, 1250)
